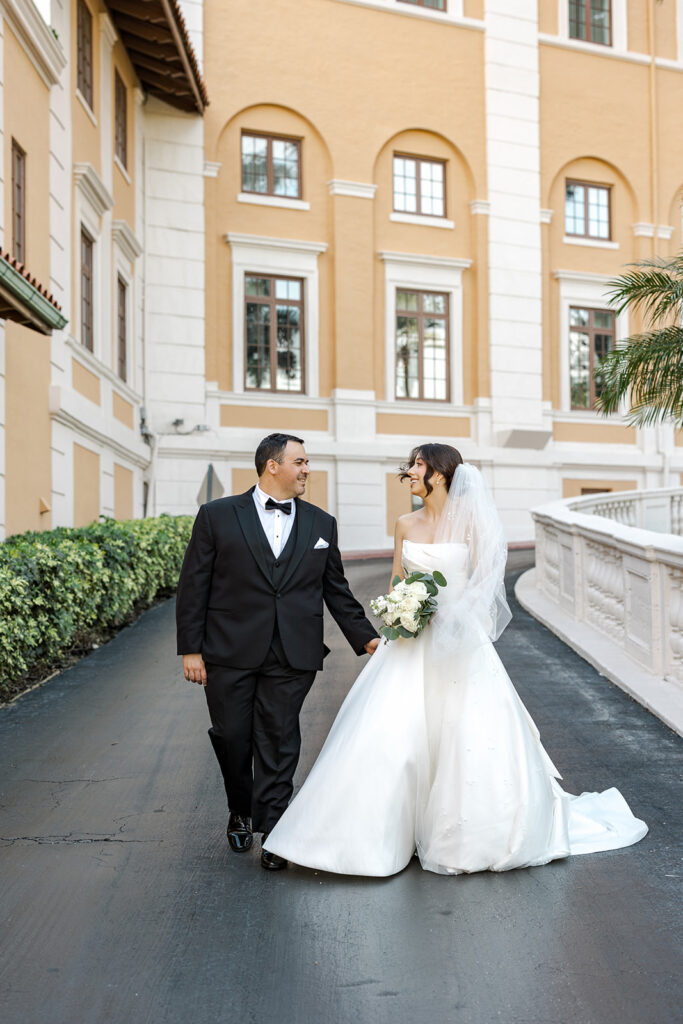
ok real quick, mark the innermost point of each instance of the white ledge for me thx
(427, 222)
(355, 189)
(93, 188)
(427, 261)
(591, 243)
(86, 106)
(125, 238)
(480, 207)
(211, 168)
(122, 170)
(282, 201)
(261, 241)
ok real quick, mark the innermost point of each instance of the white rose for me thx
(418, 590)
(409, 622)
(410, 604)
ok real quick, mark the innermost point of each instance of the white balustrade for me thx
(609, 579)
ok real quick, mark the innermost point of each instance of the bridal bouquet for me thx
(410, 605)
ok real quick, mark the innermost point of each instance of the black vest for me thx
(278, 568)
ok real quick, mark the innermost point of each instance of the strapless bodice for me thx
(449, 559)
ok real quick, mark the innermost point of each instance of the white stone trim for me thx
(591, 243)
(282, 201)
(480, 207)
(37, 39)
(619, 45)
(355, 189)
(93, 189)
(122, 268)
(211, 168)
(102, 370)
(581, 289)
(665, 231)
(86, 106)
(428, 222)
(125, 239)
(643, 230)
(454, 15)
(291, 257)
(546, 216)
(424, 273)
(108, 31)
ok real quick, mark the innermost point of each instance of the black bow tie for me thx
(285, 507)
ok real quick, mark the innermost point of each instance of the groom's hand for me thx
(194, 668)
(372, 645)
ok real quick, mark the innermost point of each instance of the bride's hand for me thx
(372, 645)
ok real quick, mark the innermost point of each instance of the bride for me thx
(432, 750)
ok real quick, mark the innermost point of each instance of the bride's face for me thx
(416, 472)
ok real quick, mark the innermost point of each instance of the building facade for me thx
(396, 221)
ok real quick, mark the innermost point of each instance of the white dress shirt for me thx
(276, 526)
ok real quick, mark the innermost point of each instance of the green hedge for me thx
(59, 587)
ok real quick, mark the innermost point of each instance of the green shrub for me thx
(60, 587)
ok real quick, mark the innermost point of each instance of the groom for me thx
(250, 629)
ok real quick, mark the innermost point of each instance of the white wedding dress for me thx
(440, 756)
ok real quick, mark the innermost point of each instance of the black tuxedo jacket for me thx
(228, 605)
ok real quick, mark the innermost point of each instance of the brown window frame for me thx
(18, 202)
(587, 185)
(591, 330)
(270, 138)
(421, 316)
(120, 119)
(423, 3)
(87, 291)
(587, 5)
(419, 159)
(272, 301)
(84, 80)
(122, 327)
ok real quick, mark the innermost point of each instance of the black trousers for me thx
(255, 734)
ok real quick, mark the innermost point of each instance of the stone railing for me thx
(609, 581)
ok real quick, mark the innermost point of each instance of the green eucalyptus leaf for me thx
(396, 579)
(440, 579)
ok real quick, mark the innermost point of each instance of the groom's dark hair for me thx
(272, 447)
(442, 458)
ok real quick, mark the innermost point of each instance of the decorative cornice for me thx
(422, 221)
(427, 261)
(664, 231)
(37, 39)
(280, 201)
(546, 216)
(480, 207)
(93, 188)
(643, 230)
(211, 168)
(581, 275)
(355, 189)
(125, 238)
(109, 33)
(262, 241)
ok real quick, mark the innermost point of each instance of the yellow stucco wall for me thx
(123, 492)
(124, 187)
(86, 485)
(575, 488)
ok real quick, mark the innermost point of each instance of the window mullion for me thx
(420, 345)
(418, 187)
(273, 336)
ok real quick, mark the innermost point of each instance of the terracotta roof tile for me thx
(13, 262)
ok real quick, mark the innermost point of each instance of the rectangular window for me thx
(120, 119)
(121, 332)
(87, 290)
(84, 35)
(18, 202)
(271, 165)
(591, 336)
(274, 316)
(591, 20)
(419, 186)
(422, 345)
(587, 210)
(437, 5)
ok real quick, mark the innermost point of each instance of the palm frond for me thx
(646, 370)
(653, 285)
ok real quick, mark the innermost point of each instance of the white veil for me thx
(480, 612)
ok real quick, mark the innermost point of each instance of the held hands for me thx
(372, 645)
(194, 668)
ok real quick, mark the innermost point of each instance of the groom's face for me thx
(290, 474)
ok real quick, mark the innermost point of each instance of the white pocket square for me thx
(320, 543)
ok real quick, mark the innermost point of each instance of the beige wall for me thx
(398, 498)
(123, 492)
(86, 485)
(27, 429)
(594, 433)
(85, 382)
(85, 132)
(123, 410)
(286, 420)
(124, 189)
(575, 488)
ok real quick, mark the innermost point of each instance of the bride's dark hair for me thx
(440, 458)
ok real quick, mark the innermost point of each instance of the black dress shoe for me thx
(239, 833)
(271, 861)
